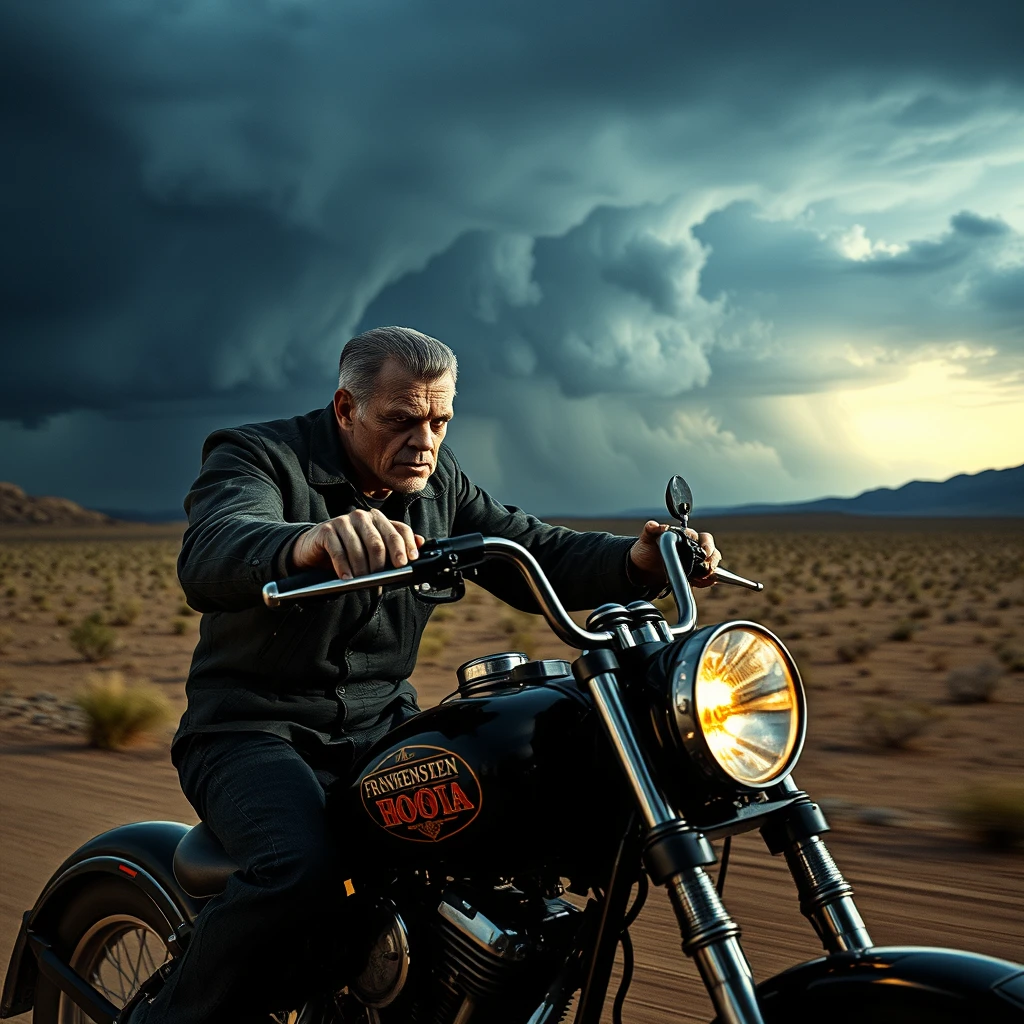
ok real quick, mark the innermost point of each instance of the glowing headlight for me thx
(739, 704)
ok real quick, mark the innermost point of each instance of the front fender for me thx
(142, 852)
(897, 985)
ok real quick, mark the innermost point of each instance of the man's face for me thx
(393, 440)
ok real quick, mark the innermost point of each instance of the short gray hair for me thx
(423, 357)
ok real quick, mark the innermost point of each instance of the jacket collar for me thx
(329, 466)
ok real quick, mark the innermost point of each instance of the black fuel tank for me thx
(505, 779)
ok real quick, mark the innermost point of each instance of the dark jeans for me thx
(249, 948)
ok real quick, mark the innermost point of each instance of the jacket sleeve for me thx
(236, 526)
(585, 568)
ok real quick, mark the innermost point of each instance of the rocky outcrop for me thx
(19, 508)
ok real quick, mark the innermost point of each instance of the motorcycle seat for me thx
(201, 865)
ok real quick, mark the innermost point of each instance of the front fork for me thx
(826, 898)
(675, 856)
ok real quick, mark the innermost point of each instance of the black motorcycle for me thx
(474, 822)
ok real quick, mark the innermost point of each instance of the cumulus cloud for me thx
(678, 209)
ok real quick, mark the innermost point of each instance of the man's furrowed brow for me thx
(407, 412)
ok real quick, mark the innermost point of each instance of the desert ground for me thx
(909, 635)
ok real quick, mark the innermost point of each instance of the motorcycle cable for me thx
(643, 887)
(726, 848)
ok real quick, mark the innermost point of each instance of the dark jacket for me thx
(321, 673)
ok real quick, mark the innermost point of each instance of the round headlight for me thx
(739, 704)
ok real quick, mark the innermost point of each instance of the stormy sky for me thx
(778, 247)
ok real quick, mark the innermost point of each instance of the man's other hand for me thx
(650, 569)
(355, 544)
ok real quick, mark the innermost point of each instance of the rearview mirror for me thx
(678, 499)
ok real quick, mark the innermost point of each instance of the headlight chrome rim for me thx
(686, 714)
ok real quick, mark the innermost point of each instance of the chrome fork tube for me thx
(654, 809)
(826, 898)
(709, 934)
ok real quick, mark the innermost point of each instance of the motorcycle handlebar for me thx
(451, 555)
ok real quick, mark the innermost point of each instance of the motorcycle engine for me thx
(474, 955)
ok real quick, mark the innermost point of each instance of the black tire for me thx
(113, 935)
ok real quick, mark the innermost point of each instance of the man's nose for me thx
(420, 438)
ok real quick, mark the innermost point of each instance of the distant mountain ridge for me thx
(992, 493)
(19, 508)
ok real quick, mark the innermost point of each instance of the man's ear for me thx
(344, 408)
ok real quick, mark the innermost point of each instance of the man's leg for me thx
(266, 806)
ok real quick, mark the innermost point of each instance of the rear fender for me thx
(897, 983)
(143, 853)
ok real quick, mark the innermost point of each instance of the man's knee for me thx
(295, 878)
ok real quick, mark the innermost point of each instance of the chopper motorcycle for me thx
(468, 823)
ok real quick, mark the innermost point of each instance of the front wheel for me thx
(112, 935)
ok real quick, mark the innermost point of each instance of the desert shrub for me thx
(903, 631)
(93, 638)
(179, 627)
(125, 612)
(994, 813)
(938, 660)
(442, 614)
(517, 622)
(41, 601)
(892, 726)
(432, 643)
(185, 609)
(117, 713)
(974, 684)
(1011, 655)
(854, 651)
(6, 639)
(921, 612)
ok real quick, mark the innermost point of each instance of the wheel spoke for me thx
(116, 964)
(116, 968)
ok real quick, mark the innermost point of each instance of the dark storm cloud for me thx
(201, 201)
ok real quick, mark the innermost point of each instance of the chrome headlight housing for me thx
(738, 704)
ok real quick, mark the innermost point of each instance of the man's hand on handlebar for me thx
(646, 557)
(355, 544)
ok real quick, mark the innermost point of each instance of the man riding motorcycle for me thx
(280, 705)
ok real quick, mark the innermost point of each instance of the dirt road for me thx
(914, 885)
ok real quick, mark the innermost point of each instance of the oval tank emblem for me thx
(421, 793)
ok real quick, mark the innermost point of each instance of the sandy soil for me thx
(920, 877)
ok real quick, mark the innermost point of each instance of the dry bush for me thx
(974, 684)
(854, 651)
(994, 813)
(6, 639)
(903, 631)
(93, 638)
(179, 627)
(892, 726)
(432, 643)
(125, 612)
(1011, 655)
(117, 713)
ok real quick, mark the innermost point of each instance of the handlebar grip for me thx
(696, 553)
(305, 579)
